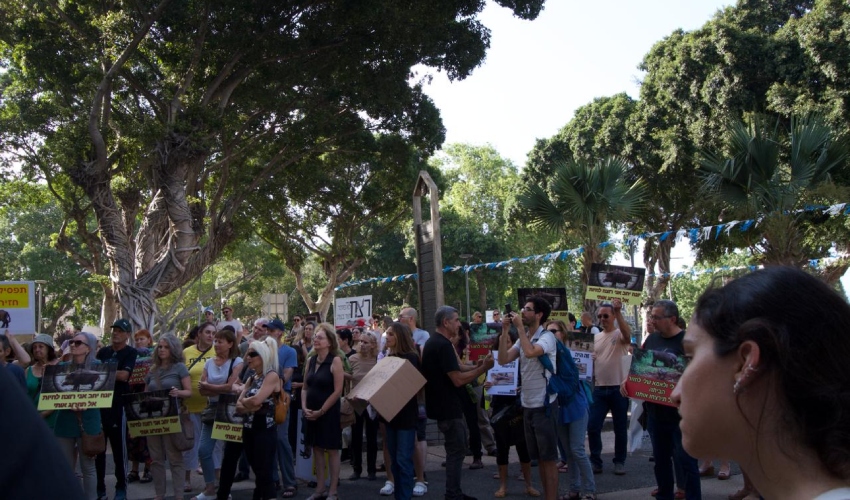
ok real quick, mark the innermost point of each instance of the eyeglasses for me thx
(658, 318)
(528, 309)
(603, 316)
(252, 354)
(77, 343)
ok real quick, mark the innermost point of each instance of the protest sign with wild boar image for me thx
(151, 413)
(77, 387)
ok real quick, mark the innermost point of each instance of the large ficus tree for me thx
(163, 117)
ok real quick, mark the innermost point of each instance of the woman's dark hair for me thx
(463, 339)
(800, 325)
(193, 333)
(403, 340)
(228, 335)
(513, 335)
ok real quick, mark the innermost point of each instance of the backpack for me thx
(564, 382)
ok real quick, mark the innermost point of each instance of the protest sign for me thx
(228, 424)
(151, 413)
(348, 310)
(77, 387)
(581, 345)
(140, 371)
(17, 307)
(482, 337)
(653, 375)
(504, 378)
(387, 387)
(609, 282)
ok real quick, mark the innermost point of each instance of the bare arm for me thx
(22, 356)
(460, 378)
(506, 354)
(625, 328)
(270, 383)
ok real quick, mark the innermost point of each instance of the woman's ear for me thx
(749, 354)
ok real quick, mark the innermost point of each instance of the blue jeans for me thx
(455, 436)
(607, 398)
(285, 458)
(401, 444)
(667, 448)
(571, 438)
(205, 453)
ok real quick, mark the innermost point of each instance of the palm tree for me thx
(768, 172)
(584, 200)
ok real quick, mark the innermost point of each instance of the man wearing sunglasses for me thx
(609, 371)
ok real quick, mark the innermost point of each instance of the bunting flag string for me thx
(695, 235)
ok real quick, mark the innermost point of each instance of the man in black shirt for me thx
(124, 357)
(662, 420)
(444, 389)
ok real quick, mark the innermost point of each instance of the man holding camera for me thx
(534, 341)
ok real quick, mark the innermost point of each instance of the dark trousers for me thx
(115, 435)
(607, 398)
(260, 447)
(667, 449)
(455, 436)
(229, 462)
(362, 420)
(470, 413)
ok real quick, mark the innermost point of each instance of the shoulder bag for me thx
(281, 405)
(91, 445)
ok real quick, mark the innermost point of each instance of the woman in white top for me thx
(220, 373)
(767, 383)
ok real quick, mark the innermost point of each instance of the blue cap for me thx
(276, 324)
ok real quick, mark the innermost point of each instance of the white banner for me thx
(348, 310)
(503, 377)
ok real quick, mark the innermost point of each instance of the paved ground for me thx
(637, 483)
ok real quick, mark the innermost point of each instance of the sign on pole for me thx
(276, 305)
(349, 309)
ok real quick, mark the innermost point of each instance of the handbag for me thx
(281, 406)
(91, 445)
(185, 439)
(346, 413)
(208, 414)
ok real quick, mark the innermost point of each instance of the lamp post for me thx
(466, 257)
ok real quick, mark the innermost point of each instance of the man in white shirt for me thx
(534, 341)
(227, 311)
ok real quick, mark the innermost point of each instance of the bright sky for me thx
(538, 72)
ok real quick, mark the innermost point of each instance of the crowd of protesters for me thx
(742, 333)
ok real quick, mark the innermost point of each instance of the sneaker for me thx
(597, 469)
(146, 477)
(619, 469)
(388, 489)
(419, 489)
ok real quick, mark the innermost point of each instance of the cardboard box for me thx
(387, 387)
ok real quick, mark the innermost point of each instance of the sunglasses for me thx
(603, 316)
(77, 343)
(252, 354)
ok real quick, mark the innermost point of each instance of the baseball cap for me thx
(123, 324)
(276, 324)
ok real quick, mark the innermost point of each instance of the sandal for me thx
(707, 472)
(289, 492)
(530, 491)
(496, 475)
(318, 496)
(500, 493)
(146, 477)
(724, 474)
(133, 476)
(563, 468)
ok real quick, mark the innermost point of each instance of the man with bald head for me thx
(408, 316)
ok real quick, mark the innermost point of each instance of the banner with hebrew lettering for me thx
(69, 386)
(152, 413)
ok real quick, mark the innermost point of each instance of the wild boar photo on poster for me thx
(654, 375)
(151, 413)
(505, 378)
(609, 282)
(77, 387)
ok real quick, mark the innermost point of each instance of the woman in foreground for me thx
(768, 383)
